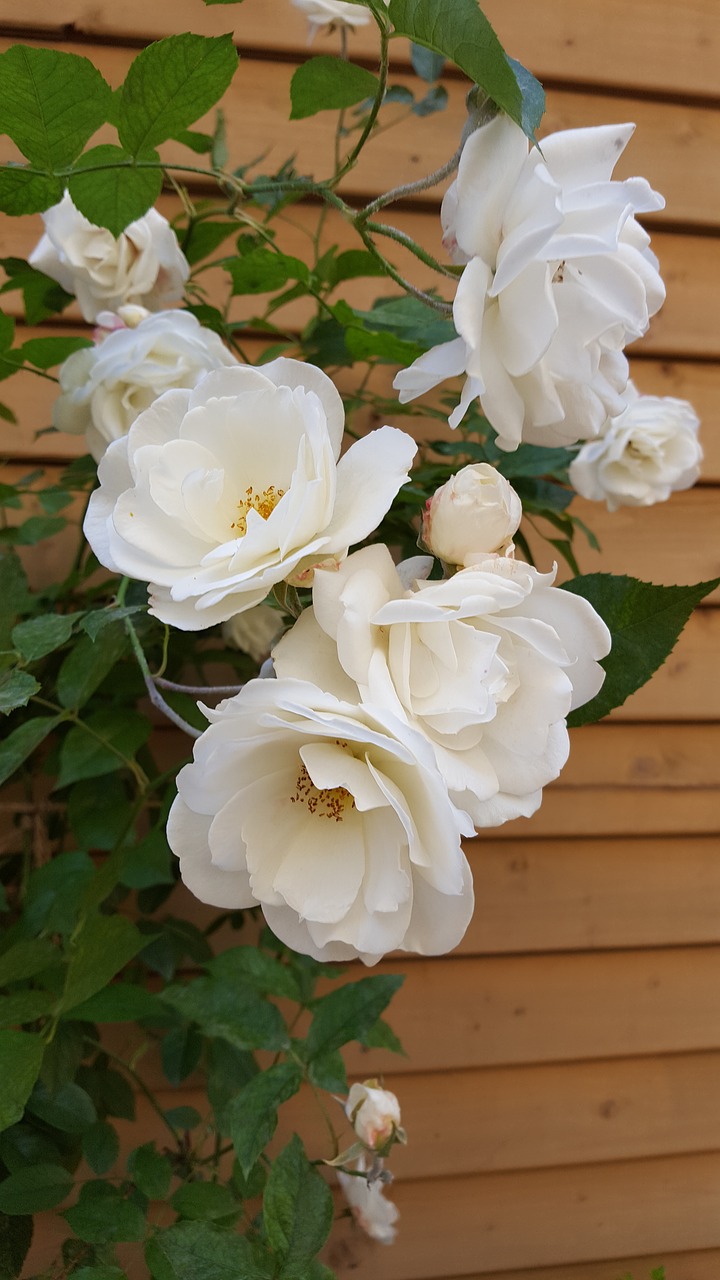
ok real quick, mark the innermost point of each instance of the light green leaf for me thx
(102, 947)
(114, 197)
(16, 690)
(46, 353)
(329, 84)
(21, 743)
(644, 620)
(349, 1012)
(31, 1190)
(297, 1210)
(170, 85)
(252, 1114)
(51, 103)
(459, 30)
(151, 1172)
(383, 346)
(199, 1251)
(262, 271)
(205, 238)
(38, 636)
(21, 1057)
(204, 1201)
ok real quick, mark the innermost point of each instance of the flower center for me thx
(330, 802)
(264, 503)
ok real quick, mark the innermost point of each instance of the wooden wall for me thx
(562, 1093)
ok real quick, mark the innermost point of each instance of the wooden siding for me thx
(562, 1092)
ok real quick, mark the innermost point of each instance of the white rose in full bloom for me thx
(144, 264)
(650, 451)
(559, 278)
(331, 817)
(104, 388)
(326, 13)
(374, 1114)
(254, 631)
(486, 664)
(376, 1215)
(474, 514)
(218, 493)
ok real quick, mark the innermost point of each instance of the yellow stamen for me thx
(330, 802)
(264, 503)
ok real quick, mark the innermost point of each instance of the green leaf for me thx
(24, 1006)
(7, 331)
(100, 1146)
(46, 353)
(24, 1145)
(99, 1273)
(93, 752)
(232, 1012)
(204, 1201)
(534, 460)
(183, 1117)
(50, 103)
(436, 99)
(99, 826)
(199, 1251)
(644, 620)
(252, 1114)
(149, 862)
(31, 1190)
(96, 621)
(21, 743)
(54, 892)
(349, 1013)
(114, 197)
(121, 1002)
(35, 530)
(181, 1053)
(26, 958)
(460, 31)
(262, 271)
(329, 84)
(381, 1036)
(203, 238)
(297, 1210)
(200, 143)
(109, 1090)
(258, 969)
(87, 666)
(328, 1072)
(170, 85)
(429, 66)
(228, 1069)
(102, 1215)
(15, 1240)
(42, 296)
(102, 947)
(69, 1109)
(20, 1061)
(16, 690)
(364, 345)
(151, 1172)
(352, 264)
(39, 636)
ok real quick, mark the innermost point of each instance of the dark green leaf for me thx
(352, 264)
(50, 103)
(24, 1145)
(40, 1186)
(103, 1216)
(16, 690)
(183, 1117)
(534, 460)
(329, 84)
(20, 1061)
(42, 296)
(170, 84)
(34, 530)
(200, 143)
(110, 1091)
(95, 622)
(101, 1146)
(228, 1069)
(258, 969)
(46, 353)
(461, 32)
(204, 238)
(644, 620)
(100, 949)
(120, 1002)
(151, 1172)
(328, 1072)
(349, 1012)
(54, 892)
(99, 1273)
(63, 1055)
(381, 1036)
(297, 1210)
(15, 1240)
(54, 499)
(364, 345)
(149, 863)
(24, 1006)
(114, 197)
(427, 65)
(204, 1201)
(409, 318)
(234, 1013)
(99, 826)
(181, 1052)
(38, 636)
(252, 1114)
(7, 332)
(262, 271)
(70, 1109)
(87, 666)
(92, 752)
(21, 743)
(199, 1251)
(26, 958)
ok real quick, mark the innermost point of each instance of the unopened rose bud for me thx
(473, 515)
(375, 1115)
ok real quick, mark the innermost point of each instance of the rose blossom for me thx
(331, 817)
(376, 1215)
(374, 1114)
(144, 264)
(474, 513)
(650, 451)
(105, 387)
(487, 665)
(218, 493)
(326, 13)
(559, 277)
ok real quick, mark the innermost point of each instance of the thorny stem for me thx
(393, 233)
(197, 689)
(411, 188)
(437, 303)
(153, 693)
(352, 158)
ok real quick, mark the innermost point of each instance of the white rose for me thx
(105, 387)
(254, 631)
(648, 452)
(486, 664)
(331, 817)
(142, 265)
(376, 1215)
(475, 513)
(559, 277)
(217, 494)
(333, 13)
(374, 1114)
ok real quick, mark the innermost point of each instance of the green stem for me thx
(437, 303)
(412, 188)
(352, 159)
(382, 229)
(153, 692)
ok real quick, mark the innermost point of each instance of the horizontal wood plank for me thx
(666, 46)
(702, 1264)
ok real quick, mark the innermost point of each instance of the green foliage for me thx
(41, 1186)
(170, 84)
(329, 84)
(20, 1061)
(253, 1112)
(110, 190)
(50, 103)
(645, 621)
(297, 1210)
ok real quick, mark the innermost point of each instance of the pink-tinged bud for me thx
(473, 515)
(375, 1116)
